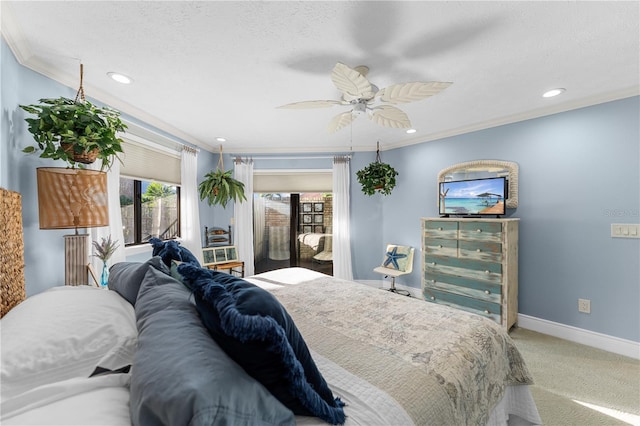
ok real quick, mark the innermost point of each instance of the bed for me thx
(88, 356)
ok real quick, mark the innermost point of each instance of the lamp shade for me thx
(72, 198)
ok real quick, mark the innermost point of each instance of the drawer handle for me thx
(433, 281)
(478, 230)
(433, 263)
(487, 271)
(433, 298)
(439, 246)
(439, 229)
(487, 292)
(487, 312)
(478, 250)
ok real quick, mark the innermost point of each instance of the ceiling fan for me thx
(362, 97)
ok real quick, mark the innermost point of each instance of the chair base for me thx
(401, 292)
(393, 288)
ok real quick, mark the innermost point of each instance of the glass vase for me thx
(104, 277)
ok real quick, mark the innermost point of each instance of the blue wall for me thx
(579, 172)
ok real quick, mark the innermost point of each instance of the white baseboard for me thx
(578, 335)
(573, 334)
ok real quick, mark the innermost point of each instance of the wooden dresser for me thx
(472, 264)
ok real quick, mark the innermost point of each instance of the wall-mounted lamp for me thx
(72, 199)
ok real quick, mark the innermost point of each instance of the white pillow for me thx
(62, 333)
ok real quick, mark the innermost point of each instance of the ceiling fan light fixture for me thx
(120, 78)
(410, 131)
(221, 139)
(553, 92)
(366, 99)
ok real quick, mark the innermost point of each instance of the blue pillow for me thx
(180, 376)
(172, 250)
(126, 277)
(255, 330)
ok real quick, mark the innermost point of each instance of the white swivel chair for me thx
(398, 260)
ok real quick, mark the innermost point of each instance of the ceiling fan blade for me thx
(389, 116)
(350, 82)
(411, 92)
(340, 121)
(311, 104)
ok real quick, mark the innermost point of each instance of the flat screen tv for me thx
(474, 197)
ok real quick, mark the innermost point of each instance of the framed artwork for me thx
(306, 229)
(317, 218)
(306, 207)
(318, 207)
(232, 253)
(208, 257)
(215, 255)
(318, 229)
(306, 218)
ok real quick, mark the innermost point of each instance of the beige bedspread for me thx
(444, 366)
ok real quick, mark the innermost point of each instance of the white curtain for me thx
(115, 223)
(190, 237)
(341, 232)
(259, 224)
(243, 212)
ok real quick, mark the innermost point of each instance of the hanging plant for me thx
(219, 187)
(377, 177)
(75, 130)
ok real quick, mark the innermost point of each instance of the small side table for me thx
(235, 268)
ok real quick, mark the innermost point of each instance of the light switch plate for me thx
(625, 230)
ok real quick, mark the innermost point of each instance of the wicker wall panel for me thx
(11, 250)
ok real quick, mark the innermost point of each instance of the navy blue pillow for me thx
(255, 330)
(172, 250)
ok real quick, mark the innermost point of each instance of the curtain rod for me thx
(294, 157)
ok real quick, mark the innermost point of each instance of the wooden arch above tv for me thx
(485, 169)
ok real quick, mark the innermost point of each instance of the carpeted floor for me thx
(579, 385)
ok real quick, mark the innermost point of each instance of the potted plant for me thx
(219, 187)
(74, 131)
(377, 176)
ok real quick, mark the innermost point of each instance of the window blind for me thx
(292, 181)
(150, 163)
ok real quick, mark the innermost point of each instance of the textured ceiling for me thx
(208, 69)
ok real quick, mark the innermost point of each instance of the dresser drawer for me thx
(469, 268)
(482, 231)
(441, 247)
(481, 307)
(483, 290)
(441, 229)
(472, 264)
(480, 250)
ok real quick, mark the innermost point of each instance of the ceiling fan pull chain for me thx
(80, 93)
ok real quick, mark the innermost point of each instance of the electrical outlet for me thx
(584, 305)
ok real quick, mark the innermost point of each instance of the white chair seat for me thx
(390, 272)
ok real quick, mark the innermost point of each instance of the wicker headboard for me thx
(11, 251)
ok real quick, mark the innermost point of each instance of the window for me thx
(149, 209)
(149, 193)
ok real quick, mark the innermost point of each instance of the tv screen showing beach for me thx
(473, 197)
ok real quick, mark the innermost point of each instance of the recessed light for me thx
(120, 78)
(411, 131)
(553, 92)
(221, 139)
